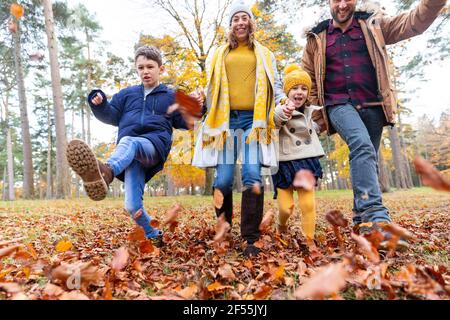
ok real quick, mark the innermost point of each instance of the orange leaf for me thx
(262, 292)
(366, 248)
(336, 218)
(120, 259)
(189, 292)
(188, 104)
(279, 273)
(217, 286)
(146, 246)
(107, 292)
(266, 221)
(16, 10)
(304, 179)
(137, 234)
(431, 176)
(154, 223)
(248, 264)
(63, 246)
(8, 250)
(326, 281)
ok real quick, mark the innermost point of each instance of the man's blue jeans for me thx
(134, 155)
(361, 130)
(240, 126)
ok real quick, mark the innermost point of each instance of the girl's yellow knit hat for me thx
(294, 75)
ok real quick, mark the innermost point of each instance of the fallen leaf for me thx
(266, 221)
(262, 292)
(217, 286)
(325, 282)
(304, 179)
(336, 218)
(430, 175)
(137, 234)
(52, 290)
(63, 246)
(146, 246)
(120, 259)
(154, 223)
(222, 228)
(73, 295)
(218, 198)
(172, 214)
(107, 292)
(8, 250)
(189, 292)
(226, 272)
(366, 248)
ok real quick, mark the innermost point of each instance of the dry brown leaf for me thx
(137, 234)
(304, 179)
(188, 293)
(8, 250)
(146, 246)
(397, 230)
(336, 218)
(366, 248)
(72, 274)
(325, 282)
(222, 228)
(6, 242)
(266, 221)
(172, 214)
(218, 198)
(226, 272)
(73, 295)
(120, 259)
(52, 290)
(430, 175)
(262, 292)
(107, 292)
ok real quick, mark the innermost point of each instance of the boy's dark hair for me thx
(150, 52)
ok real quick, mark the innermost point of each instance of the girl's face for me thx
(240, 24)
(298, 94)
(149, 72)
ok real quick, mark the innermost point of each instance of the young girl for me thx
(300, 148)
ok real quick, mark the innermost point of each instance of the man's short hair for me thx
(150, 52)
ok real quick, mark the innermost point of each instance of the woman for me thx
(243, 88)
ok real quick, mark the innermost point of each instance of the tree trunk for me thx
(209, 180)
(238, 178)
(400, 176)
(62, 168)
(407, 169)
(383, 177)
(49, 193)
(28, 180)
(4, 194)
(89, 88)
(9, 154)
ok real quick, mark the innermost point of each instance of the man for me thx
(347, 60)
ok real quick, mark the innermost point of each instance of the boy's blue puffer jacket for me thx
(139, 116)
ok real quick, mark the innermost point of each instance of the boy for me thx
(144, 138)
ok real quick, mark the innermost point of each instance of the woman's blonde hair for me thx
(233, 41)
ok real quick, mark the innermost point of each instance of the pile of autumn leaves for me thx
(208, 266)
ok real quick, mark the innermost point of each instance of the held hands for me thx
(288, 108)
(97, 100)
(199, 95)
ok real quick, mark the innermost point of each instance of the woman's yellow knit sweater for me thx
(240, 64)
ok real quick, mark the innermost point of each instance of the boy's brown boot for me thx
(96, 176)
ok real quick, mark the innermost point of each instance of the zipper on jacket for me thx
(143, 106)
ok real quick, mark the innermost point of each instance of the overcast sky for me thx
(123, 21)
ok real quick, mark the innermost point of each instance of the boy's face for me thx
(149, 71)
(298, 95)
